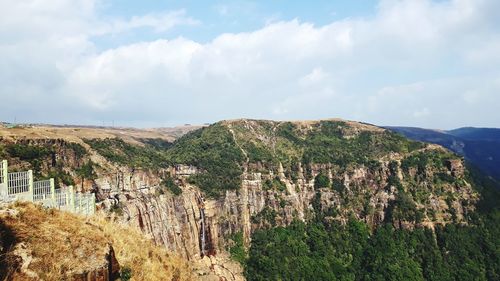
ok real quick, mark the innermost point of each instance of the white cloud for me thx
(159, 22)
(317, 75)
(416, 62)
(424, 112)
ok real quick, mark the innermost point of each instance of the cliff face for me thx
(176, 221)
(422, 187)
(277, 172)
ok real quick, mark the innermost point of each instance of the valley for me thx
(215, 195)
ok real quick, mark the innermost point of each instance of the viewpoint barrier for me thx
(19, 186)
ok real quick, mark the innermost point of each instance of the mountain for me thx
(470, 133)
(481, 146)
(277, 200)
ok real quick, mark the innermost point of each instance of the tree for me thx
(321, 181)
(86, 171)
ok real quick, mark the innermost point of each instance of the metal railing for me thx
(3, 171)
(19, 182)
(44, 192)
(19, 186)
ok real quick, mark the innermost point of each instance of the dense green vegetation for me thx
(322, 250)
(211, 149)
(338, 186)
(218, 152)
(125, 273)
(170, 185)
(86, 171)
(77, 148)
(60, 177)
(321, 181)
(35, 155)
(317, 251)
(274, 183)
(121, 152)
(267, 216)
(2, 151)
(214, 152)
(423, 160)
(157, 143)
(236, 248)
(221, 150)
(30, 153)
(322, 142)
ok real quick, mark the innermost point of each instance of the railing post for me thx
(87, 205)
(4, 180)
(80, 203)
(5, 170)
(53, 192)
(71, 199)
(67, 198)
(93, 203)
(30, 186)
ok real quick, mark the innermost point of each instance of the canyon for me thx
(370, 174)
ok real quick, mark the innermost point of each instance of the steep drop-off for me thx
(197, 195)
(40, 244)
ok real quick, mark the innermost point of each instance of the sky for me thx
(424, 63)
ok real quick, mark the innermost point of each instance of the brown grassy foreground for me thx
(37, 243)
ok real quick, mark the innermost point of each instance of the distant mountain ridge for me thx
(480, 146)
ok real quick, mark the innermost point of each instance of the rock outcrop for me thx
(425, 181)
(175, 221)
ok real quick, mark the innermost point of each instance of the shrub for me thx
(125, 273)
(60, 176)
(28, 152)
(266, 215)
(278, 184)
(237, 248)
(321, 181)
(268, 184)
(338, 186)
(78, 149)
(117, 208)
(170, 184)
(118, 151)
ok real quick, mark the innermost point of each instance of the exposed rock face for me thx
(109, 271)
(456, 167)
(175, 221)
(199, 228)
(217, 268)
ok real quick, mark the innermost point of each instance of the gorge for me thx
(206, 194)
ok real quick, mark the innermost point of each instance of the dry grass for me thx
(147, 261)
(62, 244)
(76, 134)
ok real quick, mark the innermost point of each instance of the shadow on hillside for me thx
(7, 242)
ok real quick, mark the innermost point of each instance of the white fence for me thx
(3, 171)
(3, 178)
(19, 186)
(19, 182)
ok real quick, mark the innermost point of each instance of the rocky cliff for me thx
(196, 195)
